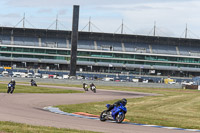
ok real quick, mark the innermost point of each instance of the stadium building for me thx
(99, 52)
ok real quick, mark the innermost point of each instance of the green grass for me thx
(33, 89)
(65, 85)
(11, 127)
(174, 108)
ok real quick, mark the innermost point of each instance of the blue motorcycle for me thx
(10, 88)
(116, 114)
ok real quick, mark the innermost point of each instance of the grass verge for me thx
(33, 89)
(174, 108)
(11, 127)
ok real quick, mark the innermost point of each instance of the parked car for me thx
(29, 75)
(37, 75)
(65, 76)
(108, 79)
(187, 83)
(172, 82)
(5, 73)
(16, 74)
(51, 76)
(45, 76)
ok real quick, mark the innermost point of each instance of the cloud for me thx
(10, 15)
(64, 3)
(45, 10)
(138, 15)
(62, 12)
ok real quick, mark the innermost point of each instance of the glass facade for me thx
(100, 56)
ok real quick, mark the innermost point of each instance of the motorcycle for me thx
(116, 114)
(33, 83)
(10, 88)
(85, 87)
(93, 88)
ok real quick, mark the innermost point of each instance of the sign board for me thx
(7, 67)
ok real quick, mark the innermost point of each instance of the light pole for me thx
(140, 71)
(109, 66)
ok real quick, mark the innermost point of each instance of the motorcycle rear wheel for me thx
(120, 118)
(103, 115)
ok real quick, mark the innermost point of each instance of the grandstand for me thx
(99, 52)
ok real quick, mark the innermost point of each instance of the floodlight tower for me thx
(74, 40)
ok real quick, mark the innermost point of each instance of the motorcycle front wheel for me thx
(120, 117)
(103, 115)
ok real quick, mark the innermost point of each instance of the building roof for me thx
(100, 36)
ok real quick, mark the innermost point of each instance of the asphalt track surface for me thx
(28, 108)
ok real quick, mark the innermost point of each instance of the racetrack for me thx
(28, 108)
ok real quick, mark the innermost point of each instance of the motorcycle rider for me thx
(13, 83)
(123, 102)
(91, 85)
(33, 82)
(84, 86)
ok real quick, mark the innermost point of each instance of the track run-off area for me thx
(28, 108)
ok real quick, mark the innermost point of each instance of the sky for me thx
(170, 17)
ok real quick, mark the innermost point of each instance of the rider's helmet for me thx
(12, 80)
(124, 101)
